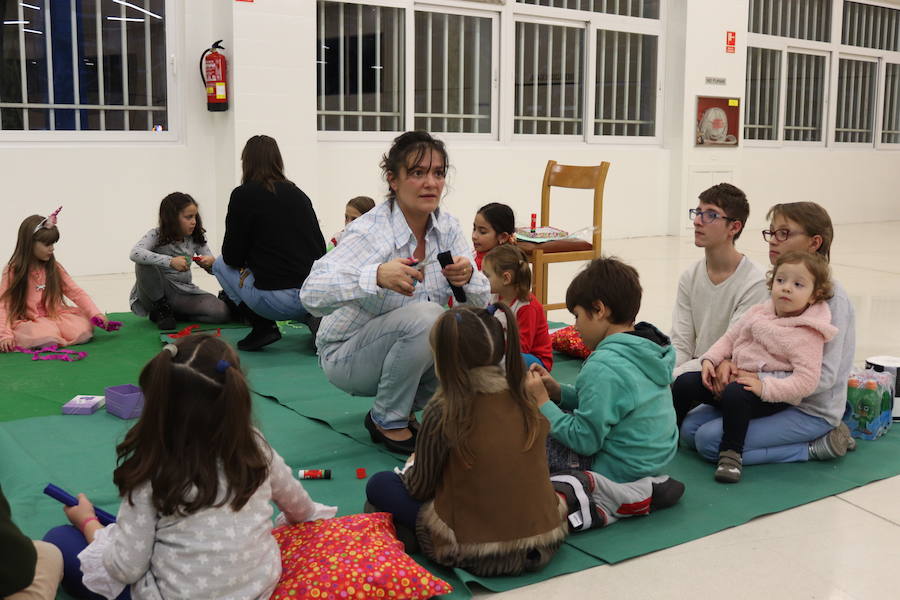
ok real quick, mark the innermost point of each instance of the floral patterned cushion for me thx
(567, 341)
(357, 556)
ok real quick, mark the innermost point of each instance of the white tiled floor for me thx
(840, 548)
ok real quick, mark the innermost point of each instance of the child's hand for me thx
(6, 345)
(81, 512)
(550, 384)
(726, 373)
(179, 263)
(708, 375)
(206, 261)
(535, 390)
(751, 382)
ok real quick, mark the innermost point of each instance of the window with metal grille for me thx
(77, 65)
(648, 9)
(761, 105)
(549, 85)
(454, 76)
(871, 26)
(890, 132)
(361, 67)
(802, 19)
(855, 101)
(625, 101)
(804, 103)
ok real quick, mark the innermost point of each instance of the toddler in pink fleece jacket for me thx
(783, 339)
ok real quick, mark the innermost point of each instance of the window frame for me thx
(591, 23)
(834, 51)
(174, 105)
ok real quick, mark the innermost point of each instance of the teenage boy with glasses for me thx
(714, 292)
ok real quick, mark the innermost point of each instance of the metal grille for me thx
(360, 60)
(802, 19)
(453, 73)
(761, 106)
(647, 9)
(80, 65)
(871, 26)
(626, 84)
(805, 97)
(549, 79)
(855, 101)
(890, 133)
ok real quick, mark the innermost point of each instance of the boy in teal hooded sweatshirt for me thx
(619, 413)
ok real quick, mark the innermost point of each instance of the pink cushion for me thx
(357, 556)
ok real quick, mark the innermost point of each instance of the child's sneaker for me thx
(729, 467)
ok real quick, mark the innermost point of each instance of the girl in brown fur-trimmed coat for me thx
(478, 492)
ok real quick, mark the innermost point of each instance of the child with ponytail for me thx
(33, 311)
(195, 479)
(478, 493)
(507, 268)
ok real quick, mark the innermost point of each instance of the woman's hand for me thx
(397, 275)
(751, 382)
(460, 272)
(206, 261)
(550, 384)
(7, 344)
(535, 390)
(179, 263)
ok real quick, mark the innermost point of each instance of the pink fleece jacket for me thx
(761, 341)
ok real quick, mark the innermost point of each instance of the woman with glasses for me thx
(811, 429)
(720, 287)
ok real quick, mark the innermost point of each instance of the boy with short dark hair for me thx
(621, 420)
(718, 289)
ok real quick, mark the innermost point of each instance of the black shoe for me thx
(264, 331)
(236, 314)
(161, 313)
(404, 447)
(666, 493)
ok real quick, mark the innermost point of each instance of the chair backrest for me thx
(575, 177)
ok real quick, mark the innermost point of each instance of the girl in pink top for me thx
(33, 311)
(782, 339)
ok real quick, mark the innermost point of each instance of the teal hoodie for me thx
(621, 406)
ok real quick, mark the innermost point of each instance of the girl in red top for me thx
(495, 225)
(507, 268)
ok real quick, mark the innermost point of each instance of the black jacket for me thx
(17, 554)
(276, 235)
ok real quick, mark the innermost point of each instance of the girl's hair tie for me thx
(491, 308)
(222, 366)
(172, 349)
(458, 317)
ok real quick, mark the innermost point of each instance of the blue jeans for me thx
(389, 358)
(71, 542)
(778, 438)
(275, 305)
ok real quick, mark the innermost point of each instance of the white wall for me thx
(111, 191)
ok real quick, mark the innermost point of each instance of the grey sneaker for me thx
(729, 467)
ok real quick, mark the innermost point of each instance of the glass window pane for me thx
(804, 101)
(647, 9)
(361, 68)
(549, 79)
(626, 84)
(801, 19)
(453, 73)
(761, 106)
(855, 101)
(890, 133)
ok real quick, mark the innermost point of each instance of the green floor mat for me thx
(33, 388)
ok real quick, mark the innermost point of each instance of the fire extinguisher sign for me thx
(729, 42)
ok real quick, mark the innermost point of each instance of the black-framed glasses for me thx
(781, 235)
(707, 216)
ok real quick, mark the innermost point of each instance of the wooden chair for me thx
(541, 255)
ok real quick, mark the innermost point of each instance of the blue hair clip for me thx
(492, 308)
(458, 317)
(222, 366)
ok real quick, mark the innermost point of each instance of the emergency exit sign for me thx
(729, 42)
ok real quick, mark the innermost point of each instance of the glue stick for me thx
(314, 473)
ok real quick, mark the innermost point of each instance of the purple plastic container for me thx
(124, 401)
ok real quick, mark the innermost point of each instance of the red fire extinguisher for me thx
(214, 73)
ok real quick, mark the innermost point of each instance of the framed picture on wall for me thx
(718, 121)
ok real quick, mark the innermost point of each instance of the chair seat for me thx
(569, 245)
